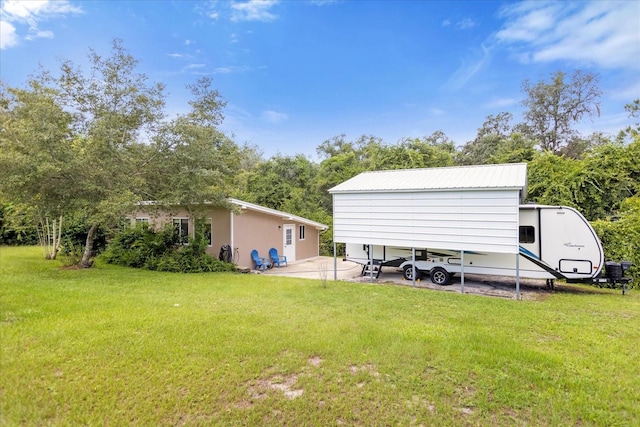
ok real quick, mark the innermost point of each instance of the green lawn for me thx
(114, 346)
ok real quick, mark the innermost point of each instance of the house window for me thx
(142, 221)
(181, 225)
(527, 234)
(208, 232)
(301, 232)
(288, 236)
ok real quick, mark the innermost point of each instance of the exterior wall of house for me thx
(220, 229)
(220, 224)
(259, 231)
(310, 246)
(252, 230)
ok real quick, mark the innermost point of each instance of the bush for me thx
(621, 236)
(15, 229)
(74, 236)
(143, 247)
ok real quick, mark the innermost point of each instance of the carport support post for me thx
(335, 261)
(371, 262)
(462, 271)
(517, 276)
(413, 272)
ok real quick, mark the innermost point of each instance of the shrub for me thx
(143, 247)
(621, 236)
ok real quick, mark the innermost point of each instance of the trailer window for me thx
(527, 234)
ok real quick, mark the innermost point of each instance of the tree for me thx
(633, 110)
(285, 183)
(553, 107)
(596, 185)
(193, 164)
(37, 156)
(497, 142)
(110, 146)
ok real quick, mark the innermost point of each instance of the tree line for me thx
(82, 147)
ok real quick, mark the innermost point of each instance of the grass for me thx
(117, 346)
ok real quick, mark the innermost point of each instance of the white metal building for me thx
(471, 208)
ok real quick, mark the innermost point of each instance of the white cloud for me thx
(8, 37)
(501, 102)
(40, 34)
(626, 93)
(603, 33)
(469, 68)
(17, 14)
(465, 24)
(446, 23)
(253, 10)
(230, 70)
(273, 116)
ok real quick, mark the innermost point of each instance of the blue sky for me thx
(295, 73)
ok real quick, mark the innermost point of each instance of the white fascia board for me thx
(282, 215)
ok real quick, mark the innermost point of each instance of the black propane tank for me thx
(613, 269)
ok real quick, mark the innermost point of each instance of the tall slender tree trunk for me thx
(87, 261)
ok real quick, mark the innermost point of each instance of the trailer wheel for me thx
(440, 276)
(407, 272)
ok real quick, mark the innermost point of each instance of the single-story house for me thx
(251, 227)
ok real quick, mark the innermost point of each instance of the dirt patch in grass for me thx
(315, 361)
(285, 384)
(486, 285)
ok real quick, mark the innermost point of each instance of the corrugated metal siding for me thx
(512, 176)
(478, 220)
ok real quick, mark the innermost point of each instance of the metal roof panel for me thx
(511, 175)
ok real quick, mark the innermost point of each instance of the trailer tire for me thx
(440, 276)
(407, 272)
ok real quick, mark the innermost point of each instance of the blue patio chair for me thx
(275, 259)
(261, 263)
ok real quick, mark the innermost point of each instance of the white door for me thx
(289, 242)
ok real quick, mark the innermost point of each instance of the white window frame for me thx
(174, 222)
(209, 222)
(301, 232)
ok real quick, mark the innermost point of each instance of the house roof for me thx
(283, 215)
(502, 176)
(257, 208)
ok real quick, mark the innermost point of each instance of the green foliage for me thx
(596, 185)
(550, 179)
(15, 228)
(92, 143)
(74, 237)
(633, 109)
(143, 247)
(620, 236)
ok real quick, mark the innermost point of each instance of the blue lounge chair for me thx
(275, 259)
(261, 263)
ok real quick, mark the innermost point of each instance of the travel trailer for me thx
(556, 242)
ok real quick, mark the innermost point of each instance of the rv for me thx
(555, 242)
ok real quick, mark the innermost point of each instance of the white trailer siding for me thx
(469, 220)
